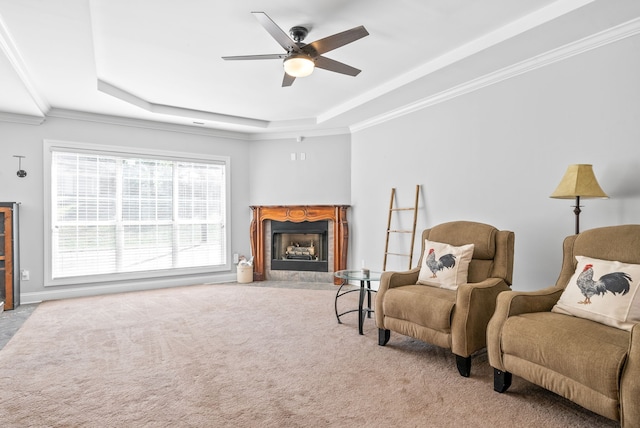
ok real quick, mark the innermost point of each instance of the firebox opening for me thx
(300, 246)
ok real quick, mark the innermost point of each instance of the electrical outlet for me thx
(236, 258)
(24, 275)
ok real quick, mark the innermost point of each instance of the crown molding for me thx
(128, 97)
(146, 124)
(184, 129)
(611, 35)
(8, 47)
(299, 135)
(21, 118)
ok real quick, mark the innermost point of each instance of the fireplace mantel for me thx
(298, 213)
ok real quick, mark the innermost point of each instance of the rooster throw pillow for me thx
(444, 265)
(603, 291)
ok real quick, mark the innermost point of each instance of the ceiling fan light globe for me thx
(298, 66)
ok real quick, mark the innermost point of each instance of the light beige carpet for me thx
(246, 356)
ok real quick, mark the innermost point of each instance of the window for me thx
(115, 215)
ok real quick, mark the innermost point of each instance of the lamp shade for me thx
(298, 65)
(579, 181)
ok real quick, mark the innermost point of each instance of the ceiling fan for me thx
(300, 59)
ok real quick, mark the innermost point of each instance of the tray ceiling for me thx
(161, 61)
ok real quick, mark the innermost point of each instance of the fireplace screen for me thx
(300, 246)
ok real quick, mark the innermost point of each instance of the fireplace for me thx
(298, 216)
(300, 246)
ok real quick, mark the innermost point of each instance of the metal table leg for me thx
(340, 293)
(360, 302)
(365, 288)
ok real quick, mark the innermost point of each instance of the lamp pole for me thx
(577, 211)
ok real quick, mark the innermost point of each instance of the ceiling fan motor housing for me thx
(298, 33)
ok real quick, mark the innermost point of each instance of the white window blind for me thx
(114, 214)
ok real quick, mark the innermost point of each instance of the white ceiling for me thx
(161, 60)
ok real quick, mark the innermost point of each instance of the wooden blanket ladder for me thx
(390, 231)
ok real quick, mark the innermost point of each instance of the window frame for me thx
(108, 150)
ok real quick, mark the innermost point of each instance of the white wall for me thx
(322, 178)
(27, 140)
(496, 154)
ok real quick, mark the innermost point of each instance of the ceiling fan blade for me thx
(335, 41)
(333, 65)
(287, 80)
(243, 57)
(276, 32)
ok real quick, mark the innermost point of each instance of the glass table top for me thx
(358, 275)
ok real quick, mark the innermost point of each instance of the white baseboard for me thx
(123, 287)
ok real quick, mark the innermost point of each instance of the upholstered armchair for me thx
(442, 315)
(580, 347)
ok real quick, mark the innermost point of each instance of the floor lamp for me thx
(578, 182)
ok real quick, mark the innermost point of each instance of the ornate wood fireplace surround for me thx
(298, 213)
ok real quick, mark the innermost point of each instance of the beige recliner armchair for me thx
(590, 363)
(452, 319)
